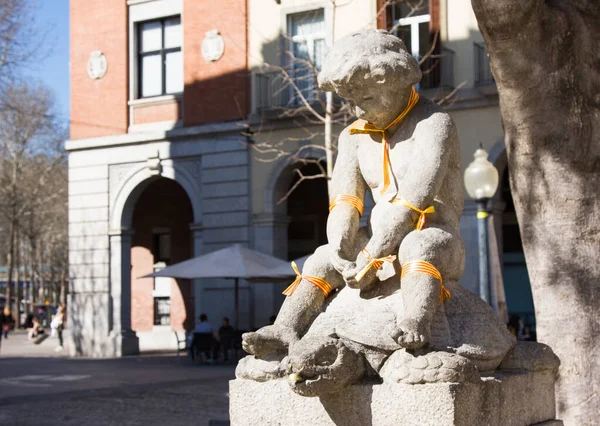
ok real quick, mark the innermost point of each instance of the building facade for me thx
(158, 164)
(182, 127)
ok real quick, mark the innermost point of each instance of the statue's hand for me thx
(338, 261)
(354, 269)
(269, 340)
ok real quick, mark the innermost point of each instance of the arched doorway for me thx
(515, 278)
(517, 287)
(160, 237)
(307, 210)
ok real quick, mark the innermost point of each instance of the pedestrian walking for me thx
(7, 322)
(57, 325)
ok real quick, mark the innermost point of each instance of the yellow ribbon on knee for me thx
(373, 263)
(425, 267)
(422, 213)
(320, 283)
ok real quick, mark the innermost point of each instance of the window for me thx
(161, 246)
(162, 311)
(160, 63)
(411, 24)
(416, 22)
(307, 46)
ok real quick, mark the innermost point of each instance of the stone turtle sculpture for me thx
(348, 342)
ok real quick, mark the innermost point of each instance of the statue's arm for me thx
(435, 137)
(344, 219)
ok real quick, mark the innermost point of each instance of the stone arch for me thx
(280, 179)
(497, 155)
(123, 340)
(137, 180)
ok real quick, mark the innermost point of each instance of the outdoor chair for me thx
(181, 343)
(203, 344)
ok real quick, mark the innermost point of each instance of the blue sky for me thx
(53, 66)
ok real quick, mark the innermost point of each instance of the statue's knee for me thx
(442, 249)
(318, 262)
(319, 265)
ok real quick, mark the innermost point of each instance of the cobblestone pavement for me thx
(39, 386)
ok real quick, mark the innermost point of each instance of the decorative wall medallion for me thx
(96, 66)
(213, 46)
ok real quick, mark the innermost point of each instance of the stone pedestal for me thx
(515, 398)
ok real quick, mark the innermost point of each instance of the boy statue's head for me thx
(374, 71)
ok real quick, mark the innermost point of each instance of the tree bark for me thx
(546, 63)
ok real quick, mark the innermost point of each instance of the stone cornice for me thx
(133, 138)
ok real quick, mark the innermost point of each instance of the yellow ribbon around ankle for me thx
(425, 267)
(364, 127)
(422, 213)
(373, 263)
(316, 281)
(353, 200)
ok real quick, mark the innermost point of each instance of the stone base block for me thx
(515, 398)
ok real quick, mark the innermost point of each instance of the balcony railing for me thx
(483, 72)
(273, 93)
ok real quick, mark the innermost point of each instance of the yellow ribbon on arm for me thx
(373, 263)
(353, 200)
(422, 213)
(364, 127)
(425, 267)
(320, 283)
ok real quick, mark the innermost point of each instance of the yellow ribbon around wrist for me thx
(364, 127)
(422, 266)
(352, 200)
(373, 263)
(422, 213)
(320, 283)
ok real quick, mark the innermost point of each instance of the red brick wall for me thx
(168, 111)
(142, 303)
(173, 211)
(215, 91)
(98, 107)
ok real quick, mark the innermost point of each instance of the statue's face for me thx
(378, 103)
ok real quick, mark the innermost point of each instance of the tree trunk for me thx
(18, 276)
(10, 260)
(545, 60)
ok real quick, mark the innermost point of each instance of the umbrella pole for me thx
(237, 304)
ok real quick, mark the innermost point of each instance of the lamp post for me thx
(481, 182)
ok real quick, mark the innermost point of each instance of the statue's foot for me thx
(269, 340)
(413, 334)
(252, 368)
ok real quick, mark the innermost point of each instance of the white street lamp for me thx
(481, 182)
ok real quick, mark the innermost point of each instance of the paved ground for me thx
(40, 386)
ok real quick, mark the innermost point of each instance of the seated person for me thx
(35, 329)
(204, 340)
(226, 338)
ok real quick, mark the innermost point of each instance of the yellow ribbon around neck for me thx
(320, 283)
(373, 263)
(364, 127)
(353, 200)
(422, 266)
(422, 213)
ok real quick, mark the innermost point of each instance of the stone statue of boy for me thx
(405, 150)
